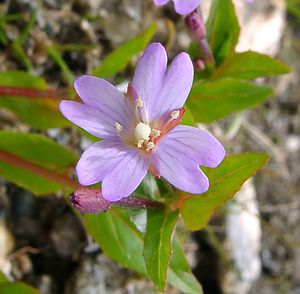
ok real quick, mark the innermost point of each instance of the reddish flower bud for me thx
(195, 26)
(89, 201)
(199, 64)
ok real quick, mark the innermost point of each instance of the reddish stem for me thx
(137, 202)
(19, 162)
(29, 92)
(36, 169)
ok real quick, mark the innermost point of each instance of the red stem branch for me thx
(29, 92)
(38, 170)
(19, 162)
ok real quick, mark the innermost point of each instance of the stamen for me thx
(175, 114)
(172, 122)
(155, 133)
(118, 127)
(150, 146)
(131, 92)
(139, 102)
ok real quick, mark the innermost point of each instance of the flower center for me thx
(142, 134)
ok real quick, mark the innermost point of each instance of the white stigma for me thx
(118, 127)
(175, 114)
(150, 146)
(142, 133)
(139, 103)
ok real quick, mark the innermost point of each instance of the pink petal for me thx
(149, 76)
(179, 169)
(176, 86)
(185, 7)
(127, 174)
(177, 156)
(88, 118)
(106, 98)
(98, 160)
(198, 144)
(161, 2)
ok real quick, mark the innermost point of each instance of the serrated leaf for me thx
(214, 100)
(38, 150)
(38, 113)
(117, 60)
(17, 288)
(222, 29)
(118, 237)
(250, 65)
(158, 244)
(180, 275)
(225, 181)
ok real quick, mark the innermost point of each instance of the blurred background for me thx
(250, 246)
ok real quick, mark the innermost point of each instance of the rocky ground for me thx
(43, 242)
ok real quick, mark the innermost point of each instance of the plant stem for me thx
(38, 170)
(29, 92)
(136, 202)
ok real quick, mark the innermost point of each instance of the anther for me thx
(150, 146)
(118, 127)
(139, 102)
(155, 133)
(175, 114)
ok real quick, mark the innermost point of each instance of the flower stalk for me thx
(142, 203)
(196, 27)
(88, 200)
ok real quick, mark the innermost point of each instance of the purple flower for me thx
(141, 131)
(182, 7)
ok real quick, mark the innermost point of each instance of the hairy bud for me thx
(195, 26)
(89, 201)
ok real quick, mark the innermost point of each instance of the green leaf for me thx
(116, 61)
(2, 277)
(158, 244)
(250, 65)
(188, 118)
(148, 188)
(214, 100)
(225, 181)
(38, 150)
(293, 8)
(118, 237)
(56, 56)
(16, 46)
(17, 288)
(38, 113)
(222, 29)
(179, 274)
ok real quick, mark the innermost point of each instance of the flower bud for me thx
(199, 64)
(89, 201)
(195, 26)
